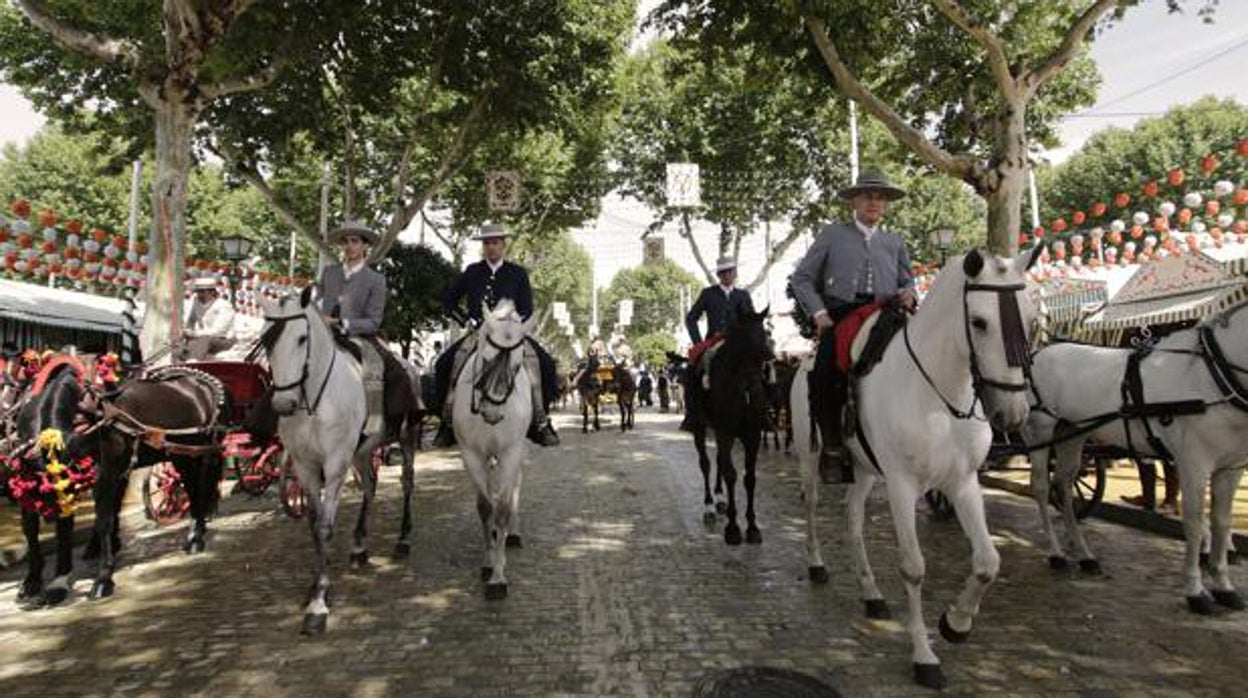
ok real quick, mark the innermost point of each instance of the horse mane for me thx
(54, 366)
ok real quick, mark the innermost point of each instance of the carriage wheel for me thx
(294, 498)
(942, 508)
(265, 469)
(165, 498)
(1088, 489)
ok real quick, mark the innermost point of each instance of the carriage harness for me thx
(1136, 407)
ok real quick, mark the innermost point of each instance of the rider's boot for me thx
(829, 410)
(541, 432)
(374, 389)
(445, 438)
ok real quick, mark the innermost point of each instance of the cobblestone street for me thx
(620, 590)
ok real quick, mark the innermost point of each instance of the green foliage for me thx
(651, 349)
(655, 292)
(559, 270)
(416, 277)
(934, 201)
(1120, 160)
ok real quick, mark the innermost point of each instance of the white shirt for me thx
(348, 269)
(215, 319)
(494, 267)
(727, 290)
(867, 232)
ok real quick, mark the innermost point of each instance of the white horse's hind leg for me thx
(1040, 491)
(1193, 488)
(1224, 485)
(363, 464)
(808, 463)
(968, 501)
(408, 441)
(902, 493)
(1069, 460)
(855, 518)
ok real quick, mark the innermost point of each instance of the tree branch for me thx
(959, 166)
(405, 161)
(248, 171)
(1032, 81)
(687, 233)
(247, 83)
(998, 62)
(98, 46)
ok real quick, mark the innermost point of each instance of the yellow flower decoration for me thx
(51, 440)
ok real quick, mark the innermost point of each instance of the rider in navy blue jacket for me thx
(488, 282)
(718, 302)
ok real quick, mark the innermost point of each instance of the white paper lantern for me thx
(1166, 209)
(1117, 226)
(1192, 199)
(1223, 187)
(1225, 220)
(1140, 218)
(1199, 227)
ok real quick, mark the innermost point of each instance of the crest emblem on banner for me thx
(502, 190)
(684, 185)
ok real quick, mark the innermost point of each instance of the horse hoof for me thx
(496, 592)
(708, 516)
(1229, 598)
(486, 573)
(721, 507)
(957, 637)
(401, 551)
(193, 547)
(1090, 566)
(753, 536)
(314, 623)
(929, 676)
(57, 595)
(359, 560)
(1057, 562)
(877, 609)
(30, 591)
(817, 575)
(103, 588)
(732, 535)
(513, 541)
(1201, 605)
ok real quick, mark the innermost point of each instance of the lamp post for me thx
(236, 248)
(941, 239)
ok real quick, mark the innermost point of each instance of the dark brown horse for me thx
(625, 387)
(174, 414)
(589, 388)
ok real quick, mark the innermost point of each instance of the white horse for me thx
(318, 389)
(490, 417)
(923, 418)
(1195, 375)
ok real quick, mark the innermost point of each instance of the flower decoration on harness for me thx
(107, 371)
(53, 492)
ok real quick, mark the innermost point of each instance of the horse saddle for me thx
(863, 335)
(389, 387)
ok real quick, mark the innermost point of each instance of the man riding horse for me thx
(353, 301)
(850, 266)
(489, 281)
(720, 303)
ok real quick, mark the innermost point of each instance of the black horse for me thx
(174, 414)
(779, 379)
(625, 393)
(589, 388)
(51, 412)
(735, 407)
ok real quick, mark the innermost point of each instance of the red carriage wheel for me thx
(294, 497)
(259, 468)
(165, 498)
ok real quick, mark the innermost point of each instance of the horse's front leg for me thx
(584, 416)
(855, 519)
(968, 502)
(410, 443)
(362, 461)
(1193, 488)
(323, 499)
(32, 585)
(704, 464)
(597, 407)
(108, 492)
(200, 476)
(478, 472)
(58, 589)
(751, 443)
(901, 498)
(1041, 485)
(1069, 460)
(723, 461)
(513, 528)
(1225, 484)
(507, 474)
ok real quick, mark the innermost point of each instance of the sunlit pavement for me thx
(620, 590)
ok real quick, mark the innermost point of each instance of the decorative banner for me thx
(626, 311)
(559, 310)
(684, 186)
(654, 250)
(502, 190)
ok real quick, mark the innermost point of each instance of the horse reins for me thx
(302, 384)
(481, 395)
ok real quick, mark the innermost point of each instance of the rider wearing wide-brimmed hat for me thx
(719, 303)
(209, 326)
(850, 265)
(487, 282)
(353, 302)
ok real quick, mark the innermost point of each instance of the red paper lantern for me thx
(1185, 216)
(20, 208)
(1038, 233)
(47, 218)
(120, 242)
(25, 240)
(1099, 208)
(1137, 232)
(1209, 163)
(1212, 208)
(47, 247)
(1078, 217)
(99, 235)
(1242, 147)
(1149, 188)
(1175, 176)
(1122, 199)
(1241, 197)
(1059, 225)
(74, 226)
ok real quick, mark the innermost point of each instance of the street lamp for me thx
(942, 240)
(236, 248)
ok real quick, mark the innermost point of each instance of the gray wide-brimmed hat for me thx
(724, 264)
(356, 228)
(204, 283)
(872, 180)
(489, 231)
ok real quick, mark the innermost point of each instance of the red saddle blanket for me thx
(846, 330)
(696, 351)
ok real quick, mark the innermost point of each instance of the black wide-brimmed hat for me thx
(356, 228)
(872, 180)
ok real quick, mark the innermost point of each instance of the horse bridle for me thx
(1013, 336)
(484, 396)
(1221, 369)
(302, 384)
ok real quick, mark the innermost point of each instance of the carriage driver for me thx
(848, 266)
(353, 301)
(720, 303)
(209, 323)
(489, 281)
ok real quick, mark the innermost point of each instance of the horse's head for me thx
(291, 326)
(747, 334)
(502, 327)
(997, 318)
(500, 357)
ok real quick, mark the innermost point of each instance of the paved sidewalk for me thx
(620, 591)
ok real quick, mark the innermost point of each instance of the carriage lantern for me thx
(942, 240)
(236, 248)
